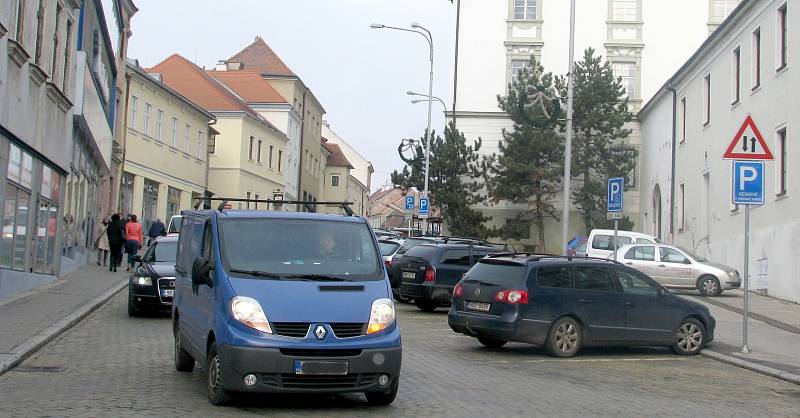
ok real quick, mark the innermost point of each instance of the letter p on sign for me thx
(747, 174)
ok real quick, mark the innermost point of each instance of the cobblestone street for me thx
(112, 365)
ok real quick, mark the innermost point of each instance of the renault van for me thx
(284, 302)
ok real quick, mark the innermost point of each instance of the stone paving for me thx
(112, 365)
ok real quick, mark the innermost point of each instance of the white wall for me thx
(360, 164)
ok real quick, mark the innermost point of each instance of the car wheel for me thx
(184, 362)
(689, 338)
(426, 305)
(491, 342)
(709, 286)
(132, 311)
(217, 395)
(565, 338)
(383, 398)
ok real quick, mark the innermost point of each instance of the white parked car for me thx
(601, 241)
(676, 267)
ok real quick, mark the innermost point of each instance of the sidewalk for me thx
(773, 333)
(31, 319)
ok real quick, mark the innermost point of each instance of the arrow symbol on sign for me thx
(744, 144)
(753, 144)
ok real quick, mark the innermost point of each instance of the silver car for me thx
(675, 267)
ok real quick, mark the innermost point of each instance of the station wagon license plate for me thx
(409, 275)
(313, 367)
(167, 293)
(478, 306)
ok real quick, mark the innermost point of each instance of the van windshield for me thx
(299, 248)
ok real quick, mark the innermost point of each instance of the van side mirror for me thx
(662, 291)
(200, 271)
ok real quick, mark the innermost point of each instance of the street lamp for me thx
(425, 33)
(415, 101)
(568, 142)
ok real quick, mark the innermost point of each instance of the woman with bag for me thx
(102, 242)
(116, 237)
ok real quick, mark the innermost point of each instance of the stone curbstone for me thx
(33, 344)
(752, 366)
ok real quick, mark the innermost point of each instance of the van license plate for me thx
(479, 306)
(409, 275)
(321, 367)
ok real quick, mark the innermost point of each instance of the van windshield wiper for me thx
(258, 273)
(317, 278)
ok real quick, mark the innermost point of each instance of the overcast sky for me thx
(360, 75)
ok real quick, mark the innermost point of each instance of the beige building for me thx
(166, 149)
(240, 165)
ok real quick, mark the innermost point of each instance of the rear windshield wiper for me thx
(480, 282)
(316, 278)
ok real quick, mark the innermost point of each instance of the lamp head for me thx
(414, 25)
(377, 26)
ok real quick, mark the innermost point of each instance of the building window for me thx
(174, 132)
(335, 181)
(126, 193)
(173, 202)
(257, 197)
(270, 156)
(517, 66)
(249, 194)
(260, 143)
(159, 122)
(54, 66)
(756, 70)
(186, 138)
(781, 37)
(525, 9)
(67, 57)
(250, 152)
(722, 8)
(40, 12)
(682, 224)
(148, 108)
(149, 204)
(280, 157)
(47, 222)
(683, 119)
(625, 10)
(626, 72)
(782, 160)
(19, 184)
(199, 145)
(707, 99)
(737, 74)
(134, 102)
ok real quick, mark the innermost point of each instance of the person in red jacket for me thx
(133, 240)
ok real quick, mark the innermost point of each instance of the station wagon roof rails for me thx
(309, 205)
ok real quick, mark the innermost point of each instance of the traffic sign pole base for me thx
(745, 350)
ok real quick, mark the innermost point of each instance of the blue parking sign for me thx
(748, 182)
(410, 202)
(423, 207)
(615, 191)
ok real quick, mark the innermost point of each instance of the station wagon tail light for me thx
(381, 315)
(458, 291)
(430, 274)
(249, 312)
(514, 297)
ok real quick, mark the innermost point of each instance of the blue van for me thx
(284, 302)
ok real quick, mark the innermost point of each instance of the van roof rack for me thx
(309, 205)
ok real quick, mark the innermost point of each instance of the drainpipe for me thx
(211, 123)
(128, 78)
(300, 156)
(455, 67)
(672, 171)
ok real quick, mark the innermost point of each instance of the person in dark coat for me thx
(116, 239)
(157, 229)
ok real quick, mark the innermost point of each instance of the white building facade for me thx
(743, 69)
(639, 37)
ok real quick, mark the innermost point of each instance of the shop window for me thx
(149, 204)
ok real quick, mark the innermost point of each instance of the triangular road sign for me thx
(748, 144)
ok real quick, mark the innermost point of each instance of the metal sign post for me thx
(615, 193)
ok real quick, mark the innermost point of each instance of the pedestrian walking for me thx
(157, 229)
(116, 238)
(102, 243)
(133, 239)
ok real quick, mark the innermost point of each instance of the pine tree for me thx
(455, 180)
(600, 111)
(528, 168)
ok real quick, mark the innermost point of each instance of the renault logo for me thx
(320, 332)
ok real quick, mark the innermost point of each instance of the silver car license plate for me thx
(409, 275)
(479, 306)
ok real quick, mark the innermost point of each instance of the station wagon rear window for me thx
(294, 248)
(501, 274)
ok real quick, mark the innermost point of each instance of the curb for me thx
(24, 350)
(752, 366)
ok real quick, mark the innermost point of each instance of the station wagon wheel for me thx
(565, 338)
(689, 338)
(709, 286)
(217, 395)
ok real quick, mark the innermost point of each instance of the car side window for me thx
(554, 277)
(606, 242)
(643, 241)
(635, 284)
(669, 255)
(455, 257)
(642, 253)
(208, 242)
(594, 278)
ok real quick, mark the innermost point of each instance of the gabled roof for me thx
(337, 158)
(249, 85)
(192, 82)
(259, 57)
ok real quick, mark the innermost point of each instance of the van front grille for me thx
(290, 329)
(345, 330)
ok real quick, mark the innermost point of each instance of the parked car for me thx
(601, 241)
(152, 285)
(384, 234)
(284, 302)
(676, 267)
(430, 271)
(174, 226)
(409, 243)
(565, 303)
(388, 248)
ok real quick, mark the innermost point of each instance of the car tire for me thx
(426, 305)
(690, 337)
(565, 338)
(184, 362)
(491, 342)
(383, 398)
(132, 311)
(709, 286)
(217, 394)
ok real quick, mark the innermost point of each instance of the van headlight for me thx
(248, 311)
(381, 315)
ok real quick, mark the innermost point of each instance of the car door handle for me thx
(584, 301)
(629, 263)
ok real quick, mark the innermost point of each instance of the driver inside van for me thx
(327, 242)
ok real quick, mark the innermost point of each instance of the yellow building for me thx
(248, 156)
(166, 149)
